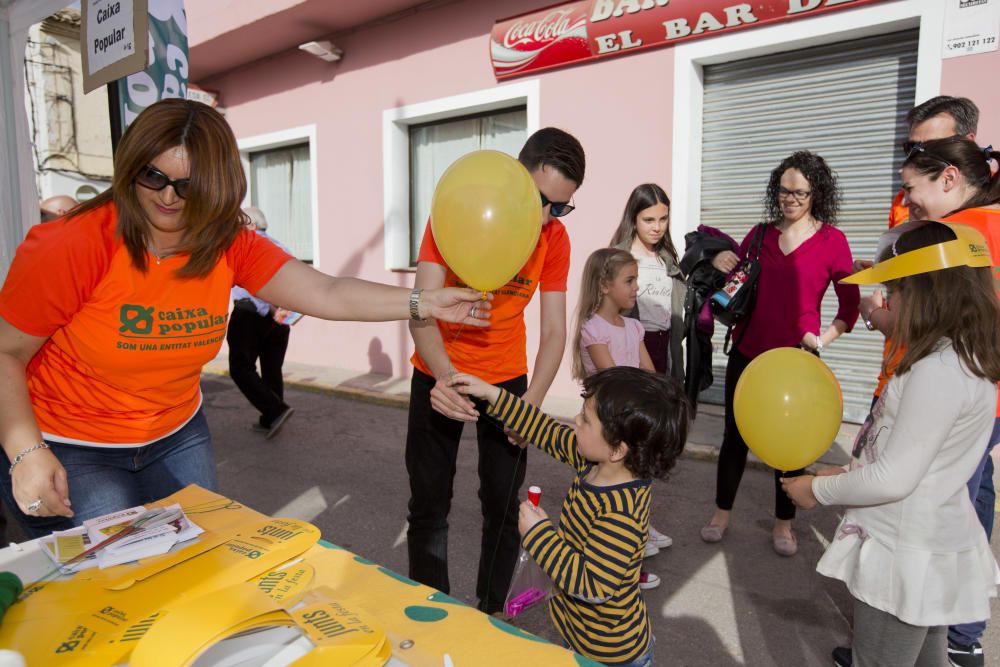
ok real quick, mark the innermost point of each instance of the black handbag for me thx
(736, 299)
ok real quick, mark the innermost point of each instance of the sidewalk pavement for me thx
(338, 463)
(704, 438)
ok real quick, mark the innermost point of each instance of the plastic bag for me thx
(529, 585)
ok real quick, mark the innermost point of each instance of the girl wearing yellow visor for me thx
(910, 547)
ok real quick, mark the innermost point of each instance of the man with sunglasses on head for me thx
(940, 117)
(438, 413)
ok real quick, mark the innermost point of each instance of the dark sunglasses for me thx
(909, 144)
(559, 208)
(917, 148)
(154, 179)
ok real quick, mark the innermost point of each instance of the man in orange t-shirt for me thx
(498, 354)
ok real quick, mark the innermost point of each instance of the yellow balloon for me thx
(788, 407)
(486, 216)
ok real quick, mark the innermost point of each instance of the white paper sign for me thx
(110, 33)
(970, 26)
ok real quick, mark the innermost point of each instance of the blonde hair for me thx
(601, 269)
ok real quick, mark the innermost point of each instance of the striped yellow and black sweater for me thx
(595, 555)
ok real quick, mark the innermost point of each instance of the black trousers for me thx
(252, 337)
(733, 454)
(432, 442)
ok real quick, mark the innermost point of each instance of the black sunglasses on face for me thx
(154, 179)
(559, 208)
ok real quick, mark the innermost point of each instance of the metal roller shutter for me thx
(846, 101)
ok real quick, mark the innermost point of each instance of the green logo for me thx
(136, 319)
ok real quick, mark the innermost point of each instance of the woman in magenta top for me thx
(802, 253)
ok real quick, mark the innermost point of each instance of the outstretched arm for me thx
(299, 287)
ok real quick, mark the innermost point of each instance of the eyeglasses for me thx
(798, 195)
(154, 179)
(559, 208)
(918, 148)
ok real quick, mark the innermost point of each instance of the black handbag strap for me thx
(755, 245)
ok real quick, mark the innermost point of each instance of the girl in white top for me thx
(910, 548)
(604, 338)
(644, 231)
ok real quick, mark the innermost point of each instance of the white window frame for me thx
(396, 124)
(690, 59)
(290, 137)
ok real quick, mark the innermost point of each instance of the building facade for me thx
(342, 153)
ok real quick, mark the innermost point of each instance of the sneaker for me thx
(257, 427)
(658, 539)
(278, 422)
(651, 549)
(648, 580)
(842, 657)
(966, 656)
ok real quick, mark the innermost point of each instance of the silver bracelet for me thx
(24, 452)
(415, 303)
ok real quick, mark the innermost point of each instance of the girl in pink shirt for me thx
(604, 338)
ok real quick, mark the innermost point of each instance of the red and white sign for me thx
(579, 31)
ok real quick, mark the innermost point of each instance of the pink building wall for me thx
(621, 109)
(435, 54)
(975, 77)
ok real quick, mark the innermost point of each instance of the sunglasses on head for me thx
(917, 148)
(154, 179)
(559, 208)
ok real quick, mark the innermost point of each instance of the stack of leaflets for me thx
(65, 546)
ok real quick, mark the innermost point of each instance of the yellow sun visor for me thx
(968, 249)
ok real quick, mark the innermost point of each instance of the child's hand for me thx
(528, 515)
(470, 385)
(800, 490)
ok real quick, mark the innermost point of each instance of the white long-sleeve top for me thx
(910, 543)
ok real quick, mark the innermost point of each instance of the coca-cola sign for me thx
(547, 38)
(579, 31)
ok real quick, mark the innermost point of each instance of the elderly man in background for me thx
(259, 330)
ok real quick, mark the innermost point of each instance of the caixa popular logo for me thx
(148, 320)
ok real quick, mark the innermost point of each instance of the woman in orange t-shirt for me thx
(108, 315)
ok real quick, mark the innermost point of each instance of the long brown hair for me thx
(931, 158)
(643, 197)
(212, 214)
(959, 304)
(600, 271)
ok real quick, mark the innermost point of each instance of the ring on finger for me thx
(34, 506)
(473, 311)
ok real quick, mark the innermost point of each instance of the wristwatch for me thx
(415, 304)
(868, 320)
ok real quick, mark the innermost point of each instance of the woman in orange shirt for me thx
(108, 315)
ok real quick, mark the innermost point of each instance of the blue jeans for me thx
(104, 479)
(984, 498)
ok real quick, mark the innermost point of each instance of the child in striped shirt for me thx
(631, 430)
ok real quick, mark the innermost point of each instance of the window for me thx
(281, 187)
(425, 137)
(435, 146)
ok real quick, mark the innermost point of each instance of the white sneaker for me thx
(658, 539)
(651, 549)
(648, 580)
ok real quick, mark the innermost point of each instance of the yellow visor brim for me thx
(969, 249)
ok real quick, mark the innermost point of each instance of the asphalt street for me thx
(338, 463)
